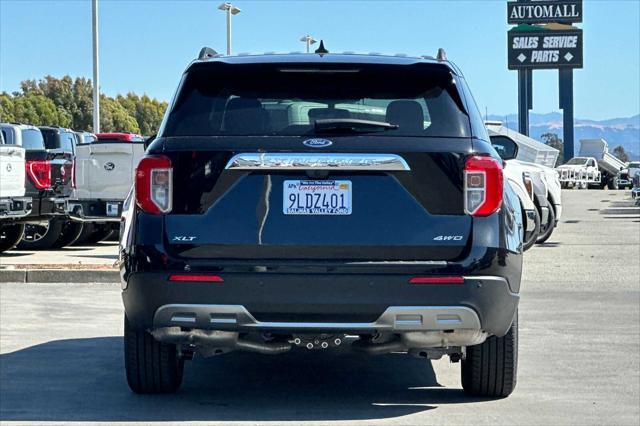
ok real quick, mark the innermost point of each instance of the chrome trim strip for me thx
(317, 161)
(394, 318)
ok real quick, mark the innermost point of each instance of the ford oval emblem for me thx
(317, 143)
(109, 166)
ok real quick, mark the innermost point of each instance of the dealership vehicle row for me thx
(59, 187)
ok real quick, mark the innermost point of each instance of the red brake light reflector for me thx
(39, 171)
(196, 278)
(483, 185)
(436, 280)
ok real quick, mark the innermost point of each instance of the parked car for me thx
(546, 185)
(105, 169)
(59, 231)
(521, 179)
(13, 203)
(381, 213)
(594, 167)
(49, 179)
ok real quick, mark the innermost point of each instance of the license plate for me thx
(112, 209)
(317, 197)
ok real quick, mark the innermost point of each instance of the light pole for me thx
(308, 40)
(231, 10)
(96, 73)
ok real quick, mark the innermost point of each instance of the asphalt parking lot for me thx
(61, 352)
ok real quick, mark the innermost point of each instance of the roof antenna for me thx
(321, 49)
(207, 52)
(442, 55)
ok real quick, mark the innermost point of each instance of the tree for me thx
(622, 155)
(6, 108)
(115, 118)
(554, 141)
(68, 102)
(39, 111)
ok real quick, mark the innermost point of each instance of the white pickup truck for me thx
(594, 166)
(104, 173)
(13, 204)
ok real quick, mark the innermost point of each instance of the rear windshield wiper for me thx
(352, 124)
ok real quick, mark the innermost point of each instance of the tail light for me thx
(154, 184)
(39, 171)
(483, 182)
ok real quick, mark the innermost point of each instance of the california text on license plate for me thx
(317, 197)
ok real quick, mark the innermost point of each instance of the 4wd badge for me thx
(109, 166)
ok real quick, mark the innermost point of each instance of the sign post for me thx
(545, 39)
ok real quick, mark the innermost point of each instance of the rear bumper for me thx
(94, 210)
(15, 207)
(46, 207)
(292, 302)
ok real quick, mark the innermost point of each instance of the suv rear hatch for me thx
(315, 161)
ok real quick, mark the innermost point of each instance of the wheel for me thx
(87, 230)
(92, 233)
(101, 231)
(41, 236)
(70, 232)
(527, 243)
(490, 369)
(613, 183)
(546, 229)
(10, 235)
(151, 366)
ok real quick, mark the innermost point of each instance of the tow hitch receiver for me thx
(318, 341)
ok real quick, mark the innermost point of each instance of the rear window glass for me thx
(32, 139)
(576, 161)
(59, 140)
(288, 99)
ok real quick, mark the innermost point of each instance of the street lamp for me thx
(308, 40)
(231, 10)
(96, 74)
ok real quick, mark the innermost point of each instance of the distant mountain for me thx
(616, 131)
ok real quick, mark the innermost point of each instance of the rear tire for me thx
(101, 231)
(10, 235)
(41, 237)
(490, 369)
(546, 229)
(613, 183)
(151, 366)
(70, 232)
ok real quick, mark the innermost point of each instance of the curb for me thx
(58, 276)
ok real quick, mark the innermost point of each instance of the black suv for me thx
(315, 200)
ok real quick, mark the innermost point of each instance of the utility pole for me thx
(230, 10)
(96, 73)
(308, 41)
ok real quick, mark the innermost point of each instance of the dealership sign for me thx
(543, 12)
(545, 49)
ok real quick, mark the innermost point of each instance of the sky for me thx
(146, 44)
